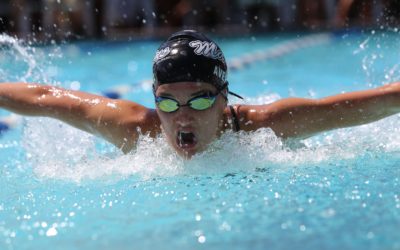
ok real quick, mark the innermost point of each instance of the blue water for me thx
(63, 189)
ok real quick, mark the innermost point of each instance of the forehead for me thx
(185, 87)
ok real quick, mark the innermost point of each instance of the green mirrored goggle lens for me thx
(201, 103)
(168, 105)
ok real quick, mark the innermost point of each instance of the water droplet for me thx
(51, 232)
(201, 239)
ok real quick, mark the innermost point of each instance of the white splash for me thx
(21, 62)
(22, 53)
(57, 151)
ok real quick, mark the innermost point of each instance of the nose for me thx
(183, 116)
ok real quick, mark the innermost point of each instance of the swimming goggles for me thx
(202, 102)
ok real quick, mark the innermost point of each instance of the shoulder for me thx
(249, 117)
(121, 122)
(133, 114)
(120, 117)
(253, 117)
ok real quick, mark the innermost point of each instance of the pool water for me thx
(62, 188)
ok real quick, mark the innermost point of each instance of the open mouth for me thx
(186, 139)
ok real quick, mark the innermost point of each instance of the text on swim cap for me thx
(160, 54)
(207, 49)
(220, 73)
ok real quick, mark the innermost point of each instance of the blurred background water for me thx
(63, 189)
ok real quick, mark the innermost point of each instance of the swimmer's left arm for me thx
(301, 118)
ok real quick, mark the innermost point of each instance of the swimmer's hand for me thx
(302, 118)
(117, 121)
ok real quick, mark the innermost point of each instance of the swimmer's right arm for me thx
(117, 121)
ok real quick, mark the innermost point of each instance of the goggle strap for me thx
(238, 96)
(231, 93)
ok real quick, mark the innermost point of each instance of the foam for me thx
(58, 151)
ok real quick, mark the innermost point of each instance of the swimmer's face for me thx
(187, 130)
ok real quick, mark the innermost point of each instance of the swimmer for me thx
(191, 95)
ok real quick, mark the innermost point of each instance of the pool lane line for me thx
(279, 50)
(243, 61)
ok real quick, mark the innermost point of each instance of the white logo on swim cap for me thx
(160, 54)
(207, 49)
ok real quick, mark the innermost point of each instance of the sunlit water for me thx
(62, 188)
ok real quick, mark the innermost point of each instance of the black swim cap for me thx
(190, 56)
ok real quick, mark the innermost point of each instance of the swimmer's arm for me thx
(117, 121)
(302, 118)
